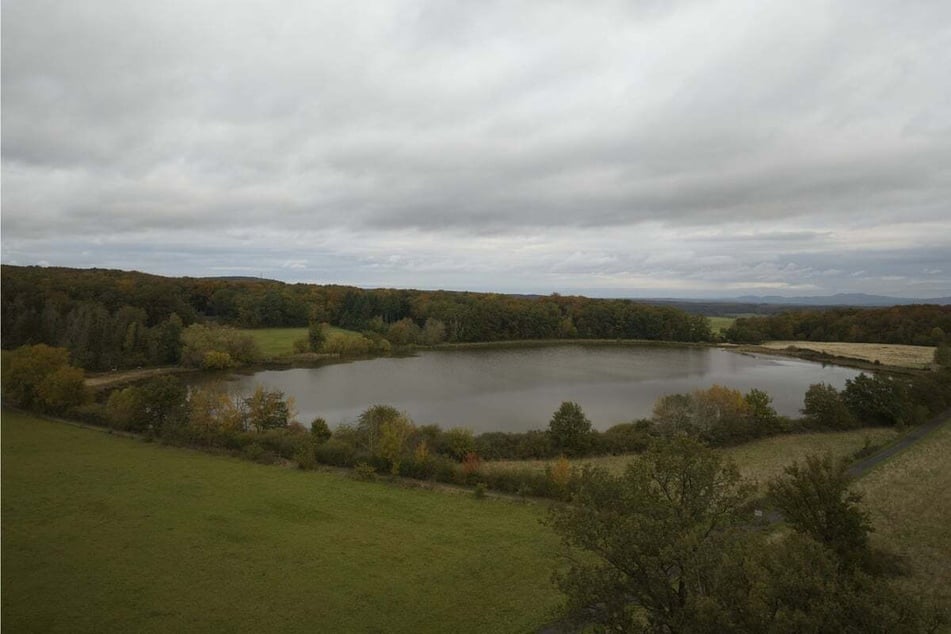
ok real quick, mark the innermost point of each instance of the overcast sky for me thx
(631, 148)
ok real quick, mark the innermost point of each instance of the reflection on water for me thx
(516, 390)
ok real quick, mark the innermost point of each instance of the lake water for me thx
(519, 389)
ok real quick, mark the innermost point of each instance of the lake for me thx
(519, 389)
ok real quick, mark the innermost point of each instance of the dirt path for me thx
(863, 466)
(112, 379)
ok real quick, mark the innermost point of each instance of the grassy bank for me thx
(759, 460)
(105, 534)
(899, 356)
(910, 500)
(276, 342)
(279, 342)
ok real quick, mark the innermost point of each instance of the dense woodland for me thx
(919, 325)
(120, 319)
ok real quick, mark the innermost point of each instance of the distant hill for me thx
(840, 299)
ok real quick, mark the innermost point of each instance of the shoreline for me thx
(109, 380)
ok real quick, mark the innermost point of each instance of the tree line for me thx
(110, 318)
(919, 325)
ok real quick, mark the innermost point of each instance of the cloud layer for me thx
(609, 148)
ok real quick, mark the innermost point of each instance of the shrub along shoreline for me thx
(263, 426)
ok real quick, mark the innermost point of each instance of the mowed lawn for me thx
(909, 498)
(102, 533)
(276, 342)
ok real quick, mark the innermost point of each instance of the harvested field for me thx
(885, 353)
(909, 498)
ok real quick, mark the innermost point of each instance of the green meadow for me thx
(102, 533)
(277, 342)
(107, 533)
(720, 324)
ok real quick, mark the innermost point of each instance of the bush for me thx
(347, 345)
(281, 443)
(305, 458)
(40, 377)
(877, 400)
(91, 413)
(516, 481)
(336, 453)
(535, 444)
(823, 409)
(497, 445)
(217, 360)
(259, 454)
(364, 471)
(319, 430)
(624, 438)
(456, 443)
(228, 345)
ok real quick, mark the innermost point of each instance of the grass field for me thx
(720, 324)
(759, 460)
(887, 354)
(102, 533)
(277, 342)
(910, 501)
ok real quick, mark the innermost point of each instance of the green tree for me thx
(268, 409)
(167, 341)
(434, 331)
(27, 368)
(126, 409)
(62, 389)
(815, 498)
(404, 332)
(391, 446)
(669, 549)
(654, 535)
(942, 355)
(320, 431)
(456, 443)
(315, 336)
(166, 403)
(570, 429)
(370, 421)
(824, 408)
(199, 340)
(877, 400)
(763, 416)
(673, 413)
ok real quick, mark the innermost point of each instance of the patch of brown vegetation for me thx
(896, 355)
(909, 498)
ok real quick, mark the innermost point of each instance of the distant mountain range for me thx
(839, 299)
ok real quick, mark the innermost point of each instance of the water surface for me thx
(519, 389)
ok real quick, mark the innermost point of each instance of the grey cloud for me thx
(790, 123)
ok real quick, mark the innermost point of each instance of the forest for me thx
(917, 325)
(116, 319)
